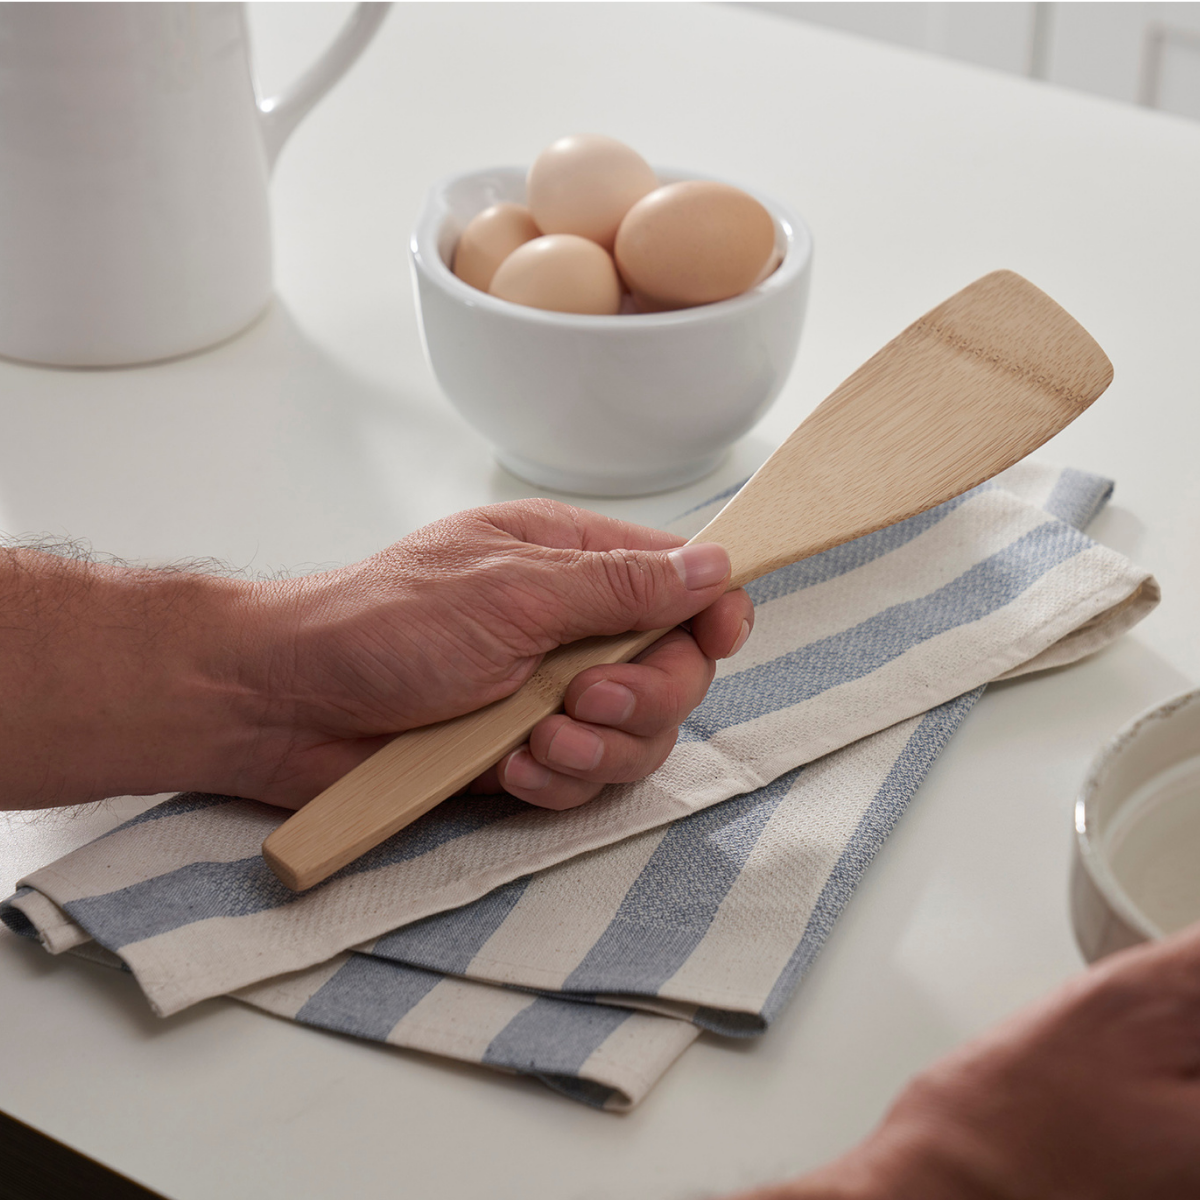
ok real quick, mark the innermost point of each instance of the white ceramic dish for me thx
(603, 406)
(1136, 873)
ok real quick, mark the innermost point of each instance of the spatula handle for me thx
(419, 769)
(409, 776)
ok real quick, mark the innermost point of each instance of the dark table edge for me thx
(36, 1167)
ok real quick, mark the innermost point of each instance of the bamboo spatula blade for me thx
(969, 389)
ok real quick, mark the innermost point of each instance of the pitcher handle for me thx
(281, 114)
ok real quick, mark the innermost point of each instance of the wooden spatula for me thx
(969, 389)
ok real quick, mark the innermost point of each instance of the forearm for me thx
(119, 681)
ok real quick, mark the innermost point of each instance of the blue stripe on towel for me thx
(181, 897)
(849, 556)
(854, 653)
(177, 806)
(907, 772)
(15, 919)
(1077, 497)
(448, 941)
(245, 886)
(663, 917)
(670, 906)
(553, 1037)
(367, 996)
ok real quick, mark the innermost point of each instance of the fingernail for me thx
(605, 703)
(741, 639)
(700, 564)
(525, 772)
(575, 748)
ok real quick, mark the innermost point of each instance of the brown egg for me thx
(692, 243)
(489, 239)
(585, 184)
(561, 272)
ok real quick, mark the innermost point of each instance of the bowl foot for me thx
(608, 483)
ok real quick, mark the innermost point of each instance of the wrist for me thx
(204, 705)
(182, 707)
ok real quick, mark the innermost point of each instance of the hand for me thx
(460, 613)
(120, 680)
(1092, 1094)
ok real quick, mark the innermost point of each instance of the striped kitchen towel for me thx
(588, 948)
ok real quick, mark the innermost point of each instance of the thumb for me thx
(614, 591)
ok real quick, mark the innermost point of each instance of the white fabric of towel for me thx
(589, 947)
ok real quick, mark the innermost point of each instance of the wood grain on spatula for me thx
(969, 389)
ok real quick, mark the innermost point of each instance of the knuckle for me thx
(627, 579)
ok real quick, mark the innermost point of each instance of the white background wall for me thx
(1140, 53)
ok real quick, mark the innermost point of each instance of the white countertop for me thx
(320, 436)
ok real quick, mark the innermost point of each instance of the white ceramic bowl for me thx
(603, 406)
(1136, 874)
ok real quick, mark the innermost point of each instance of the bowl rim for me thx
(426, 258)
(1091, 856)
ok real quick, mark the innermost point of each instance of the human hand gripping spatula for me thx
(968, 390)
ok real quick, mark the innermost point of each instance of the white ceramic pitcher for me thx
(134, 161)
